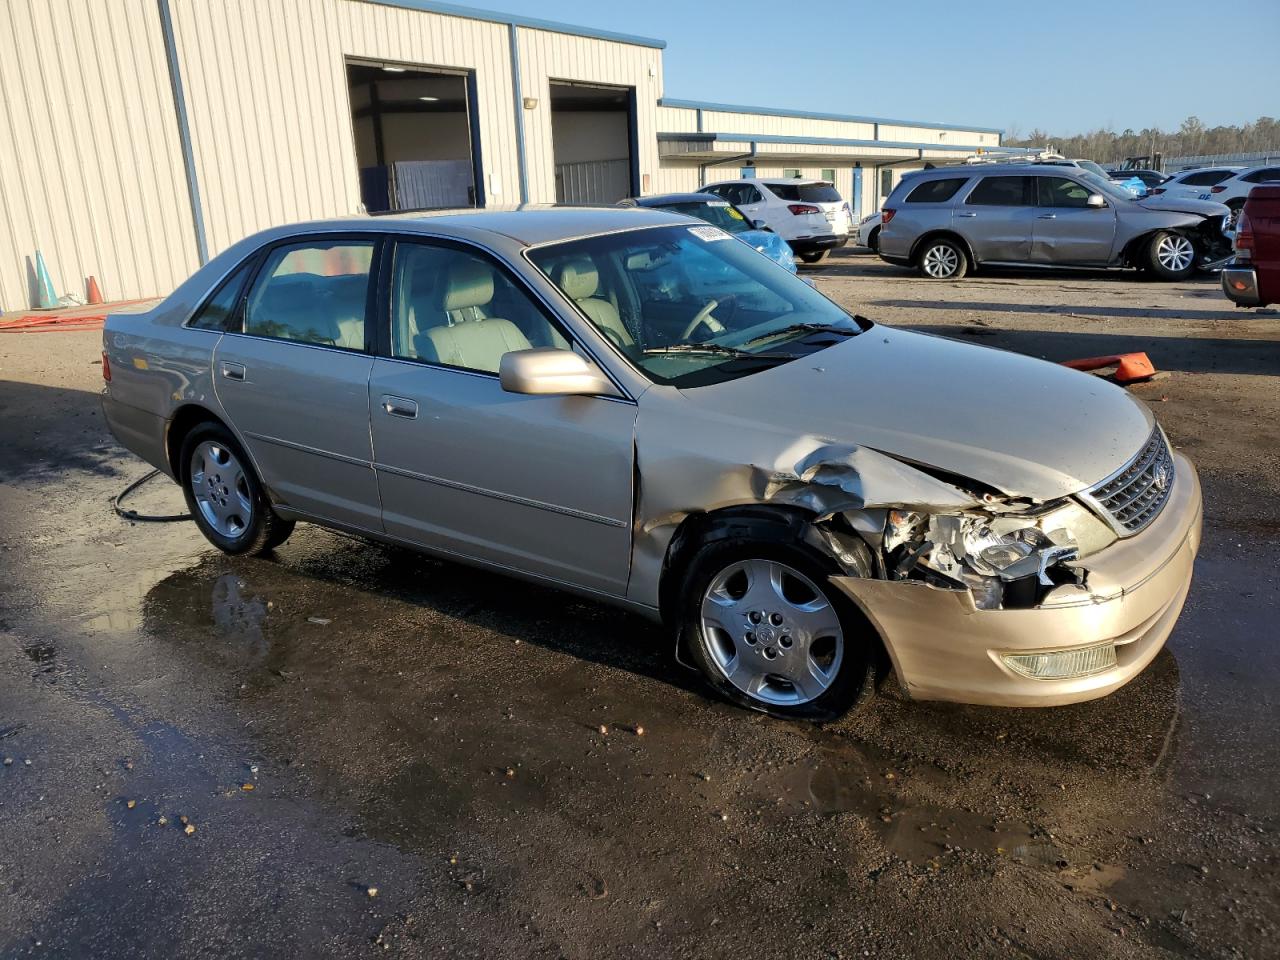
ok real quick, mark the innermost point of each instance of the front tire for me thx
(1171, 256)
(771, 634)
(224, 495)
(873, 241)
(942, 259)
(814, 256)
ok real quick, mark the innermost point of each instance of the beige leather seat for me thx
(477, 344)
(580, 281)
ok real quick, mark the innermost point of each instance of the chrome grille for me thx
(1133, 497)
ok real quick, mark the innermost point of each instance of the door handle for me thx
(232, 371)
(400, 407)
(1047, 216)
(966, 214)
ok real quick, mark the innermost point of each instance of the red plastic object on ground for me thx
(92, 293)
(1129, 366)
(71, 318)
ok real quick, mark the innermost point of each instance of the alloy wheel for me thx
(771, 632)
(941, 261)
(221, 489)
(1175, 253)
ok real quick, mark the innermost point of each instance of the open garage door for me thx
(593, 131)
(415, 136)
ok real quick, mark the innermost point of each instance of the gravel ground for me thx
(383, 754)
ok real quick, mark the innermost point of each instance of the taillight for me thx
(1156, 191)
(106, 367)
(1218, 189)
(800, 209)
(886, 214)
(1244, 237)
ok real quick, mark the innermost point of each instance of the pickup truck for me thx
(1253, 278)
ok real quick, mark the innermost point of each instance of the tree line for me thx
(1192, 138)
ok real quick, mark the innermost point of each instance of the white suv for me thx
(1196, 184)
(1234, 190)
(809, 214)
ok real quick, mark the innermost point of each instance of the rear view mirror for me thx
(548, 370)
(1096, 200)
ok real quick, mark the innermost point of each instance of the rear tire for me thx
(1171, 256)
(816, 256)
(819, 636)
(873, 241)
(942, 259)
(224, 495)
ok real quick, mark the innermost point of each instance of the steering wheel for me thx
(704, 316)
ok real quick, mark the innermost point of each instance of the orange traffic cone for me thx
(94, 295)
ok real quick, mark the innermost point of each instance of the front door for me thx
(540, 484)
(996, 218)
(1068, 230)
(293, 377)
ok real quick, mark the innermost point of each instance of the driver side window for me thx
(1061, 192)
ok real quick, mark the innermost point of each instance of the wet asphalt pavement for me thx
(381, 754)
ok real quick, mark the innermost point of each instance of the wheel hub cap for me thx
(1175, 253)
(940, 261)
(771, 632)
(221, 489)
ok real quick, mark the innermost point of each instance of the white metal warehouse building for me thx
(140, 137)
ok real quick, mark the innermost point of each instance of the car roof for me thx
(527, 225)
(659, 199)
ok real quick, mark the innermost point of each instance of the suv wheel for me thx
(771, 634)
(816, 256)
(873, 241)
(224, 495)
(1171, 256)
(942, 259)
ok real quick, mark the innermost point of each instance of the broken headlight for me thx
(1004, 559)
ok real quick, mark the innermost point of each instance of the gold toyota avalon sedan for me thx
(642, 409)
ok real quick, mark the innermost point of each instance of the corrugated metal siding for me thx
(548, 56)
(90, 164)
(267, 105)
(677, 120)
(429, 39)
(714, 121)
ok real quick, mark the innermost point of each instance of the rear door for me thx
(997, 218)
(1067, 230)
(293, 377)
(539, 484)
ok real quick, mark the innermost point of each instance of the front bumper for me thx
(945, 648)
(1240, 284)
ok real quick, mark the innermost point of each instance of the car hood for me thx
(1204, 208)
(1023, 426)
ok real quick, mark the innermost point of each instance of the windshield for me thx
(717, 212)
(1106, 187)
(689, 305)
(1092, 167)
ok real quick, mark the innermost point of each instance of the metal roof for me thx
(804, 115)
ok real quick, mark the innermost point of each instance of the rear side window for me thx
(935, 191)
(1206, 178)
(806, 192)
(219, 311)
(1003, 192)
(313, 293)
(1268, 175)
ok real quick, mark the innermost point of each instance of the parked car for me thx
(869, 232)
(1195, 184)
(809, 214)
(1235, 189)
(727, 217)
(1149, 178)
(1253, 279)
(947, 220)
(643, 411)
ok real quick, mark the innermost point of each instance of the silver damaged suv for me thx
(949, 220)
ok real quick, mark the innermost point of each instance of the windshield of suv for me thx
(1108, 188)
(1091, 167)
(689, 305)
(806, 192)
(717, 212)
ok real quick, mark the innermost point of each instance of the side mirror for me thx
(1096, 200)
(549, 370)
(761, 225)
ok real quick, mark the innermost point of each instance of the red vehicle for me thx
(1253, 279)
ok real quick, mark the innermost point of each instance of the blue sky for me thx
(1064, 66)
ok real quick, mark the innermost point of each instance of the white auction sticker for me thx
(709, 233)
